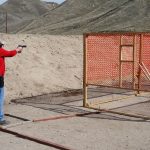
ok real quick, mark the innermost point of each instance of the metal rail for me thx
(145, 70)
(37, 140)
(65, 116)
(20, 118)
(120, 113)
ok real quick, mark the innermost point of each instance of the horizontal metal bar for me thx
(15, 124)
(20, 118)
(110, 100)
(127, 61)
(117, 33)
(121, 113)
(127, 45)
(64, 116)
(142, 90)
(53, 118)
(34, 139)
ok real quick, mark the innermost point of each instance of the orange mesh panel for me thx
(127, 53)
(127, 75)
(103, 60)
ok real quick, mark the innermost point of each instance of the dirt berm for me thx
(48, 64)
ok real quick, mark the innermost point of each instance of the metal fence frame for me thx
(85, 47)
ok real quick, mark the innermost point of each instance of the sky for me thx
(58, 1)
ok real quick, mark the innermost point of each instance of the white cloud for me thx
(57, 1)
(2, 1)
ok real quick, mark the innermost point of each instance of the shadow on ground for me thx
(70, 102)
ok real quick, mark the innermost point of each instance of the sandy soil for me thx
(103, 131)
(49, 64)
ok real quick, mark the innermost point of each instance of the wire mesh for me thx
(145, 59)
(102, 69)
(114, 58)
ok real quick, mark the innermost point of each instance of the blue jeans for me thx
(1, 103)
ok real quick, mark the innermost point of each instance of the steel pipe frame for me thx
(44, 119)
(85, 84)
(118, 87)
(20, 118)
(120, 113)
(145, 71)
(57, 146)
(84, 70)
(65, 116)
(35, 139)
(15, 124)
(110, 100)
(117, 99)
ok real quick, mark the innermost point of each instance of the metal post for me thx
(140, 61)
(134, 59)
(6, 22)
(120, 63)
(84, 70)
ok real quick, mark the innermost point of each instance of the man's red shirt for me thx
(4, 53)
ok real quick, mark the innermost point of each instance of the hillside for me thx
(67, 11)
(21, 12)
(78, 16)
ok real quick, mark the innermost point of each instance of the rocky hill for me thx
(21, 12)
(79, 16)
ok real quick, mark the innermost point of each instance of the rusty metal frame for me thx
(85, 84)
(38, 140)
(84, 70)
(55, 145)
(132, 61)
(145, 70)
(35, 139)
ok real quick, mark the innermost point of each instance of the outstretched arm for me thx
(6, 53)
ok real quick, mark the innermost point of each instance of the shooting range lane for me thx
(35, 139)
(65, 119)
(58, 127)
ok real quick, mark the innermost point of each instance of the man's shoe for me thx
(4, 123)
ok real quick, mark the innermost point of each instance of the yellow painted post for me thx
(140, 61)
(134, 59)
(120, 63)
(84, 70)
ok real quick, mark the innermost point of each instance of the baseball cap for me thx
(2, 42)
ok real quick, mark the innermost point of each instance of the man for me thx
(4, 53)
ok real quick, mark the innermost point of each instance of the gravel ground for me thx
(92, 132)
